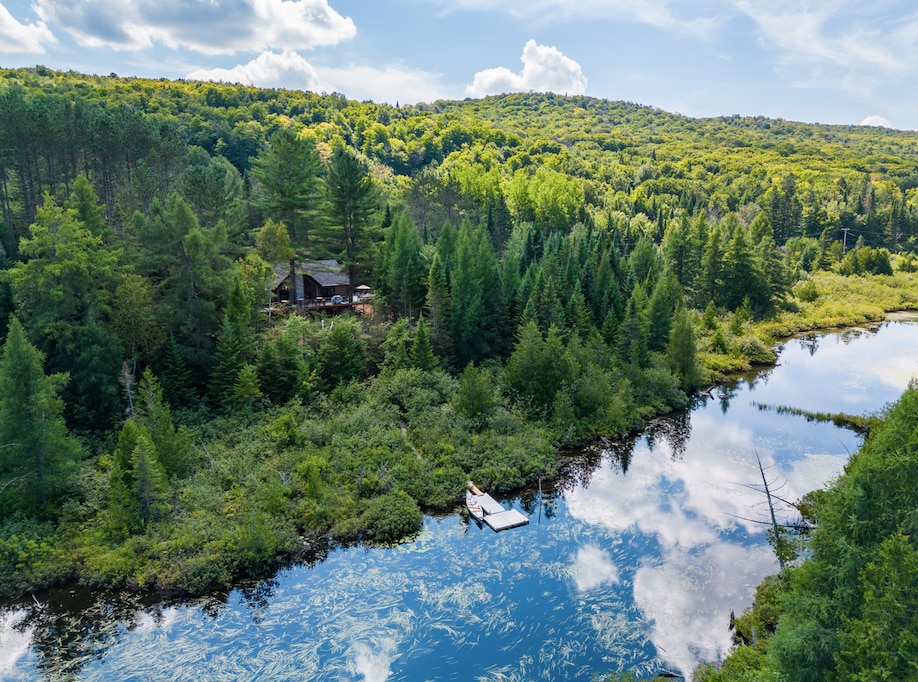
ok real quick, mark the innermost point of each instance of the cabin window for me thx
(328, 292)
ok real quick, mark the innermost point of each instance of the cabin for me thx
(316, 284)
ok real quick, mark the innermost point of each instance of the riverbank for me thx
(626, 547)
(362, 464)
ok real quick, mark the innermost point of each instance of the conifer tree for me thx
(247, 389)
(287, 177)
(150, 487)
(681, 352)
(37, 454)
(176, 378)
(422, 355)
(173, 445)
(229, 362)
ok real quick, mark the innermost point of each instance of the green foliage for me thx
(585, 225)
(476, 399)
(342, 355)
(847, 611)
(287, 184)
(38, 454)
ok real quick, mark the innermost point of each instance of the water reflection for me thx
(634, 558)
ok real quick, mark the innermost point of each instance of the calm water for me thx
(633, 561)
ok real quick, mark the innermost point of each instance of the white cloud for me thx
(269, 70)
(877, 121)
(393, 83)
(658, 13)
(687, 599)
(289, 70)
(211, 27)
(545, 69)
(15, 641)
(19, 37)
(592, 568)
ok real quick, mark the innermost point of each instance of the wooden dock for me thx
(485, 508)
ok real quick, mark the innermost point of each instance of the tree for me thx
(401, 271)
(342, 354)
(247, 390)
(352, 200)
(36, 452)
(681, 352)
(272, 242)
(188, 263)
(150, 485)
(133, 318)
(173, 445)
(229, 362)
(287, 177)
(422, 355)
(475, 400)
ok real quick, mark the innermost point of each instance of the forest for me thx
(546, 271)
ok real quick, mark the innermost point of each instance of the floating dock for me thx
(485, 508)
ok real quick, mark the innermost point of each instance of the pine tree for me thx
(247, 390)
(176, 378)
(352, 200)
(681, 352)
(422, 355)
(37, 454)
(150, 485)
(287, 186)
(229, 362)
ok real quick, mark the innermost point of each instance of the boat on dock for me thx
(484, 508)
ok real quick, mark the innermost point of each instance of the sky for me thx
(817, 61)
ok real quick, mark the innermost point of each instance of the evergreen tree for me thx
(439, 305)
(633, 334)
(352, 200)
(37, 453)
(681, 352)
(287, 182)
(422, 355)
(173, 445)
(150, 487)
(229, 362)
(176, 378)
(247, 389)
(402, 271)
(476, 400)
(395, 347)
(342, 354)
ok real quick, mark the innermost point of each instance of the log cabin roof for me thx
(326, 273)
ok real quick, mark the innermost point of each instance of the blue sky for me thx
(827, 61)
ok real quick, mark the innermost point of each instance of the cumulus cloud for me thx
(545, 69)
(212, 27)
(687, 599)
(269, 70)
(592, 568)
(876, 121)
(290, 70)
(19, 37)
(393, 83)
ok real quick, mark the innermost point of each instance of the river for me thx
(633, 559)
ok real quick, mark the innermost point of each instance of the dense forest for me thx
(545, 270)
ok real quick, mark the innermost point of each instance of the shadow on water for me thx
(73, 625)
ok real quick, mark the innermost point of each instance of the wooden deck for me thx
(493, 512)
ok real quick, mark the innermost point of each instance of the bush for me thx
(392, 517)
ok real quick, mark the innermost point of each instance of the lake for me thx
(633, 559)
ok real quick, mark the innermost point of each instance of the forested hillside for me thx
(545, 270)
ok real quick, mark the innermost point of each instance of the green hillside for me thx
(545, 271)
